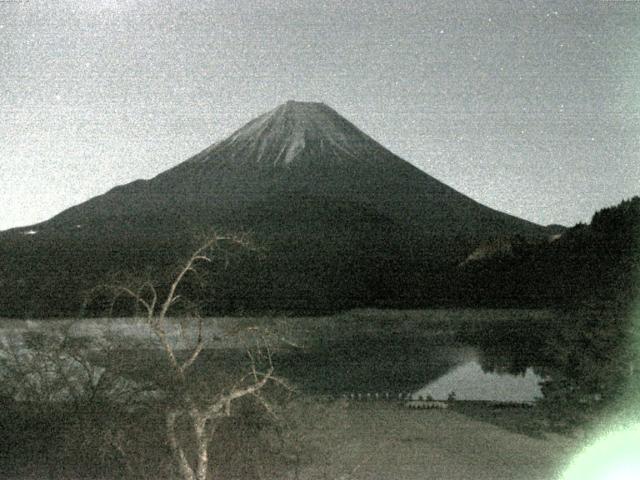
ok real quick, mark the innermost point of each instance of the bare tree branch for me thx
(183, 464)
(200, 410)
(197, 349)
(224, 403)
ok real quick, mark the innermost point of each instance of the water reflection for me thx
(370, 363)
(492, 361)
(470, 382)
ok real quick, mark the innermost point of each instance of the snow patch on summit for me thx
(295, 146)
(280, 136)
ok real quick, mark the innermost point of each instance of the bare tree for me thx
(199, 410)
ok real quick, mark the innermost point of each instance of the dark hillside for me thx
(587, 264)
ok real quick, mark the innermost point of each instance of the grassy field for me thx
(314, 438)
(384, 440)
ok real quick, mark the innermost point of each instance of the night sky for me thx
(532, 108)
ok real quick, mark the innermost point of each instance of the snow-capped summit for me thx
(283, 135)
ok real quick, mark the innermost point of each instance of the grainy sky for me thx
(532, 108)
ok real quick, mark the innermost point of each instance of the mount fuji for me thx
(343, 222)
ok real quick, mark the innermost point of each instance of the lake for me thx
(491, 355)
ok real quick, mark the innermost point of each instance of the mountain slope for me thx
(343, 220)
(300, 149)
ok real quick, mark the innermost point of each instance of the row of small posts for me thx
(421, 401)
(387, 396)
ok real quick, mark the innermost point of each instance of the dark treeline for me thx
(317, 265)
(304, 265)
(587, 265)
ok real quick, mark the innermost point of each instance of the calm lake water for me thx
(486, 360)
(477, 355)
(436, 371)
